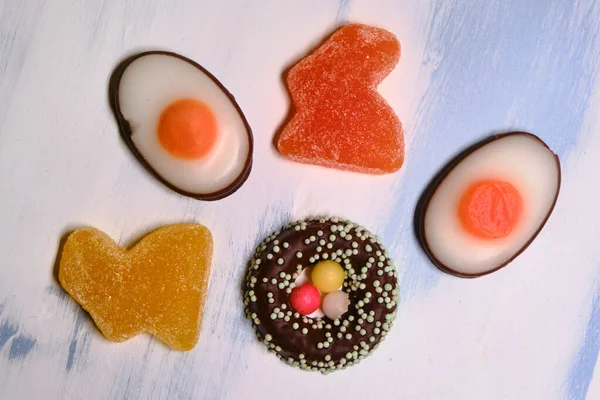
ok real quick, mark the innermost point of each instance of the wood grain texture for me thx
(468, 69)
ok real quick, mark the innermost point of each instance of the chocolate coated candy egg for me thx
(491, 203)
(182, 124)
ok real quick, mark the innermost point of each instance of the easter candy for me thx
(305, 299)
(314, 341)
(158, 286)
(327, 276)
(335, 304)
(182, 124)
(340, 119)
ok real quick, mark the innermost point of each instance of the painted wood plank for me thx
(468, 69)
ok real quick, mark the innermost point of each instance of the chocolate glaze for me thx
(125, 128)
(303, 350)
(432, 187)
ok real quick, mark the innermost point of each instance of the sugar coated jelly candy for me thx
(340, 119)
(158, 286)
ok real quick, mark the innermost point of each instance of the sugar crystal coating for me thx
(340, 120)
(158, 286)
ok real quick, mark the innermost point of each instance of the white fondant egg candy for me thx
(490, 204)
(182, 124)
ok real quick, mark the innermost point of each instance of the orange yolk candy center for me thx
(340, 119)
(158, 286)
(490, 209)
(187, 129)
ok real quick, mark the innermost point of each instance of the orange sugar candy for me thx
(158, 286)
(490, 209)
(187, 129)
(340, 119)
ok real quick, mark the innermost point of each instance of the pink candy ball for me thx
(305, 299)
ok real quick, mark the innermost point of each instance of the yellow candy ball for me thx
(327, 276)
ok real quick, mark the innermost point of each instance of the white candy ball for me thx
(335, 304)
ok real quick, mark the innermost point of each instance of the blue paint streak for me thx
(21, 346)
(72, 352)
(7, 330)
(75, 349)
(342, 12)
(57, 291)
(499, 66)
(582, 370)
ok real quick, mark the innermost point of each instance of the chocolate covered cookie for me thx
(317, 342)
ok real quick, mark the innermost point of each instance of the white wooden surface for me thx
(468, 68)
